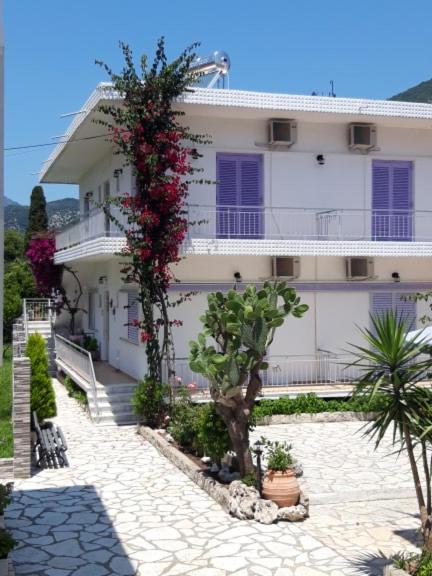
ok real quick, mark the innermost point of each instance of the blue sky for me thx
(370, 48)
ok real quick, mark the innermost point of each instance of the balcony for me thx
(269, 231)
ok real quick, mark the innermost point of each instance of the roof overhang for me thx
(85, 142)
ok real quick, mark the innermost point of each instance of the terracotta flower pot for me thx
(281, 487)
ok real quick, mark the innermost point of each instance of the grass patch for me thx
(75, 391)
(6, 431)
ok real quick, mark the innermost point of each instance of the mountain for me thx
(9, 202)
(60, 213)
(420, 93)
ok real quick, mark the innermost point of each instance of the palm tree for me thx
(396, 367)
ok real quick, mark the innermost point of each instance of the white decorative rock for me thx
(266, 511)
(293, 513)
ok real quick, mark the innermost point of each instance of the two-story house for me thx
(334, 194)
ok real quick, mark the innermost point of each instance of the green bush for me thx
(151, 401)
(212, 433)
(185, 422)
(42, 392)
(311, 404)
(75, 391)
(7, 543)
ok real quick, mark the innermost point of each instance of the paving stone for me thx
(122, 509)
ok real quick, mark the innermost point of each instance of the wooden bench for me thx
(50, 445)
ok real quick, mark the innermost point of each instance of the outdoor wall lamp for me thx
(238, 279)
(117, 172)
(396, 277)
(258, 451)
(320, 159)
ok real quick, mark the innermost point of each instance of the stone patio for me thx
(123, 509)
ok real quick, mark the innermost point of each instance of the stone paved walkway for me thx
(122, 509)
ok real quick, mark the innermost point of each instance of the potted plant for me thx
(7, 543)
(5, 490)
(91, 345)
(280, 483)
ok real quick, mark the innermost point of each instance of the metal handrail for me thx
(91, 376)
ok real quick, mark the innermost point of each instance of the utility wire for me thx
(30, 146)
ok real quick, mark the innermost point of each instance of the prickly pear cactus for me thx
(240, 327)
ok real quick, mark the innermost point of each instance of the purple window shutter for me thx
(392, 201)
(384, 301)
(381, 179)
(381, 302)
(402, 227)
(406, 309)
(239, 196)
(226, 194)
(251, 197)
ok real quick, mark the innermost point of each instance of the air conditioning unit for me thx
(282, 132)
(362, 136)
(359, 268)
(286, 267)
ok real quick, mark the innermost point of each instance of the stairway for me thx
(114, 404)
(44, 328)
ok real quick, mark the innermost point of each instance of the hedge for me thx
(42, 392)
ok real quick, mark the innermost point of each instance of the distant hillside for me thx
(9, 202)
(60, 213)
(420, 93)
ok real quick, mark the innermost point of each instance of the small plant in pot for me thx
(7, 544)
(280, 483)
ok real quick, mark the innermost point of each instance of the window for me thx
(239, 196)
(392, 201)
(132, 317)
(383, 301)
(92, 310)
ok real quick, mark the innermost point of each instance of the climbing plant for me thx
(148, 132)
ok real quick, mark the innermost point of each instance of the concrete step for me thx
(105, 407)
(117, 420)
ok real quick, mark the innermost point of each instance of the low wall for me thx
(181, 461)
(318, 417)
(21, 417)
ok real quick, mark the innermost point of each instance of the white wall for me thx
(294, 178)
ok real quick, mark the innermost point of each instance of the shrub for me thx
(42, 392)
(151, 401)
(90, 344)
(212, 433)
(7, 543)
(185, 422)
(75, 391)
(5, 490)
(311, 404)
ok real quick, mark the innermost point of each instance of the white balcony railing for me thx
(277, 223)
(284, 372)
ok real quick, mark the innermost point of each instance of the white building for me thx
(348, 178)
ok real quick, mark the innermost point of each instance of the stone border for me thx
(213, 488)
(316, 418)
(6, 468)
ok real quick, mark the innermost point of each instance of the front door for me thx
(392, 201)
(239, 196)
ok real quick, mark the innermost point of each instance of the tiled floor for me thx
(123, 509)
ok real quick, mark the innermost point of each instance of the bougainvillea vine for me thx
(147, 131)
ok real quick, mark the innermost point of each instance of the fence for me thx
(80, 362)
(289, 371)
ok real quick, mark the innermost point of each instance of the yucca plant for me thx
(396, 367)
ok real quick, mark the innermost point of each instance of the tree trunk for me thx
(424, 516)
(237, 422)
